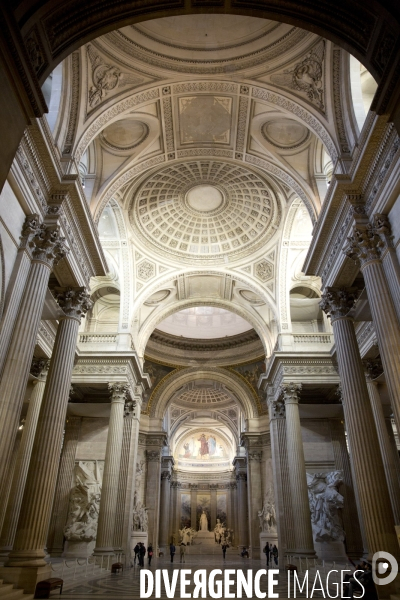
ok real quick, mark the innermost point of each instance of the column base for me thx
(25, 578)
(103, 551)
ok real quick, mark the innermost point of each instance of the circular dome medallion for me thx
(204, 198)
(124, 134)
(285, 133)
(204, 211)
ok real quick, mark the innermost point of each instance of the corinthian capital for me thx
(48, 246)
(364, 245)
(291, 392)
(337, 302)
(373, 368)
(277, 408)
(119, 391)
(129, 408)
(30, 227)
(75, 302)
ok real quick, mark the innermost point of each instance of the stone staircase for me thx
(8, 592)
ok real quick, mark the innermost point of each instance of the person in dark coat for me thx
(274, 553)
(142, 554)
(224, 549)
(267, 552)
(149, 554)
(136, 551)
(172, 551)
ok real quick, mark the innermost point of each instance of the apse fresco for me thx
(185, 511)
(204, 449)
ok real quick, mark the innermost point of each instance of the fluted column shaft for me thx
(48, 249)
(376, 513)
(297, 472)
(165, 512)
(16, 286)
(126, 484)
(34, 519)
(153, 486)
(55, 540)
(351, 525)
(392, 440)
(173, 510)
(213, 505)
(389, 258)
(281, 477)
(386, 448)
(7, 488)
(22, 466)
(254, 496)
(241, 477)
(112, 463)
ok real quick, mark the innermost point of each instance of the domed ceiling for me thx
(204, 211)
(204, 322)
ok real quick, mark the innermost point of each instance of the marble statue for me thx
(140, 518)
(219, 531)
(325, 503)
(267, 514)
(203, 522)
(84, 504)
(186, 535)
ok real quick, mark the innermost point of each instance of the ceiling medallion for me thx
(124, 134)
(204, 210)
(286, 134)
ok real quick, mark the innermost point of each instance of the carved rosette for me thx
(277, 407)
(30, 227)
(119, 392)
(291, 392)
(373, 368)
(364, 245)
(337, 303)
(75, 302)
(48, 246)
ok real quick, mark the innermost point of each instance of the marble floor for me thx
(126, 585)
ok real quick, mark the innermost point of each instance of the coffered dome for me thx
(204, 211)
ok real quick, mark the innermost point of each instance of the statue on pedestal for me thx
(325, 503)
(267, 514)
(219, 531)
(203, 525)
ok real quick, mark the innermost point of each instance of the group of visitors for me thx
(182, 551)
(140, 552)
(363, 573)
(271, 553)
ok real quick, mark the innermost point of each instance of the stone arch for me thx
(213, 414)
(162, 394)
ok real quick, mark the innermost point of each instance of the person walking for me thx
(136, 551)
(267, 552)
(172, 551)
(142, 554)
(149, 554)
(275, 554)
(224, 549)
(182, 550)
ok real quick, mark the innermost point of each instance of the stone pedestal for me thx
(331, 551)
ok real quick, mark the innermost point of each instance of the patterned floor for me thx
(126, 586)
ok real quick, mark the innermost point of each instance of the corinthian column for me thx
(153, 456)
(17, 284)
(39, 368)
(373, 370)
(193, 506)
(389, 259)
(281, 475)
(166, 468)
(47, 249)
(365, 246)
(241, 477)
(297, 471)
(375, 508)
(55, 540)
(34, 519)
(254, 491)
(112, 463)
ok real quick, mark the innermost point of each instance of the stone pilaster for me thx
(193, 506)
(47, 248)
(354, 541)
(34, 519)
(167, 463)
(389, 259)
(365, 246)
(109, 491)
(374, 369)
(126, 483)
(173, 512)
(375, 510)
(234, 522)
(297, 471)
(155, 444)
(240, 464)
(213, 505)
(55, 539)
(281, 475)
(39, 368)
(16, 285)
(254, 491)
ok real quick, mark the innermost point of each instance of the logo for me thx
(384, 568)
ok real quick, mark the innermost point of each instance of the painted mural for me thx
(221, 507)
(185, 511)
